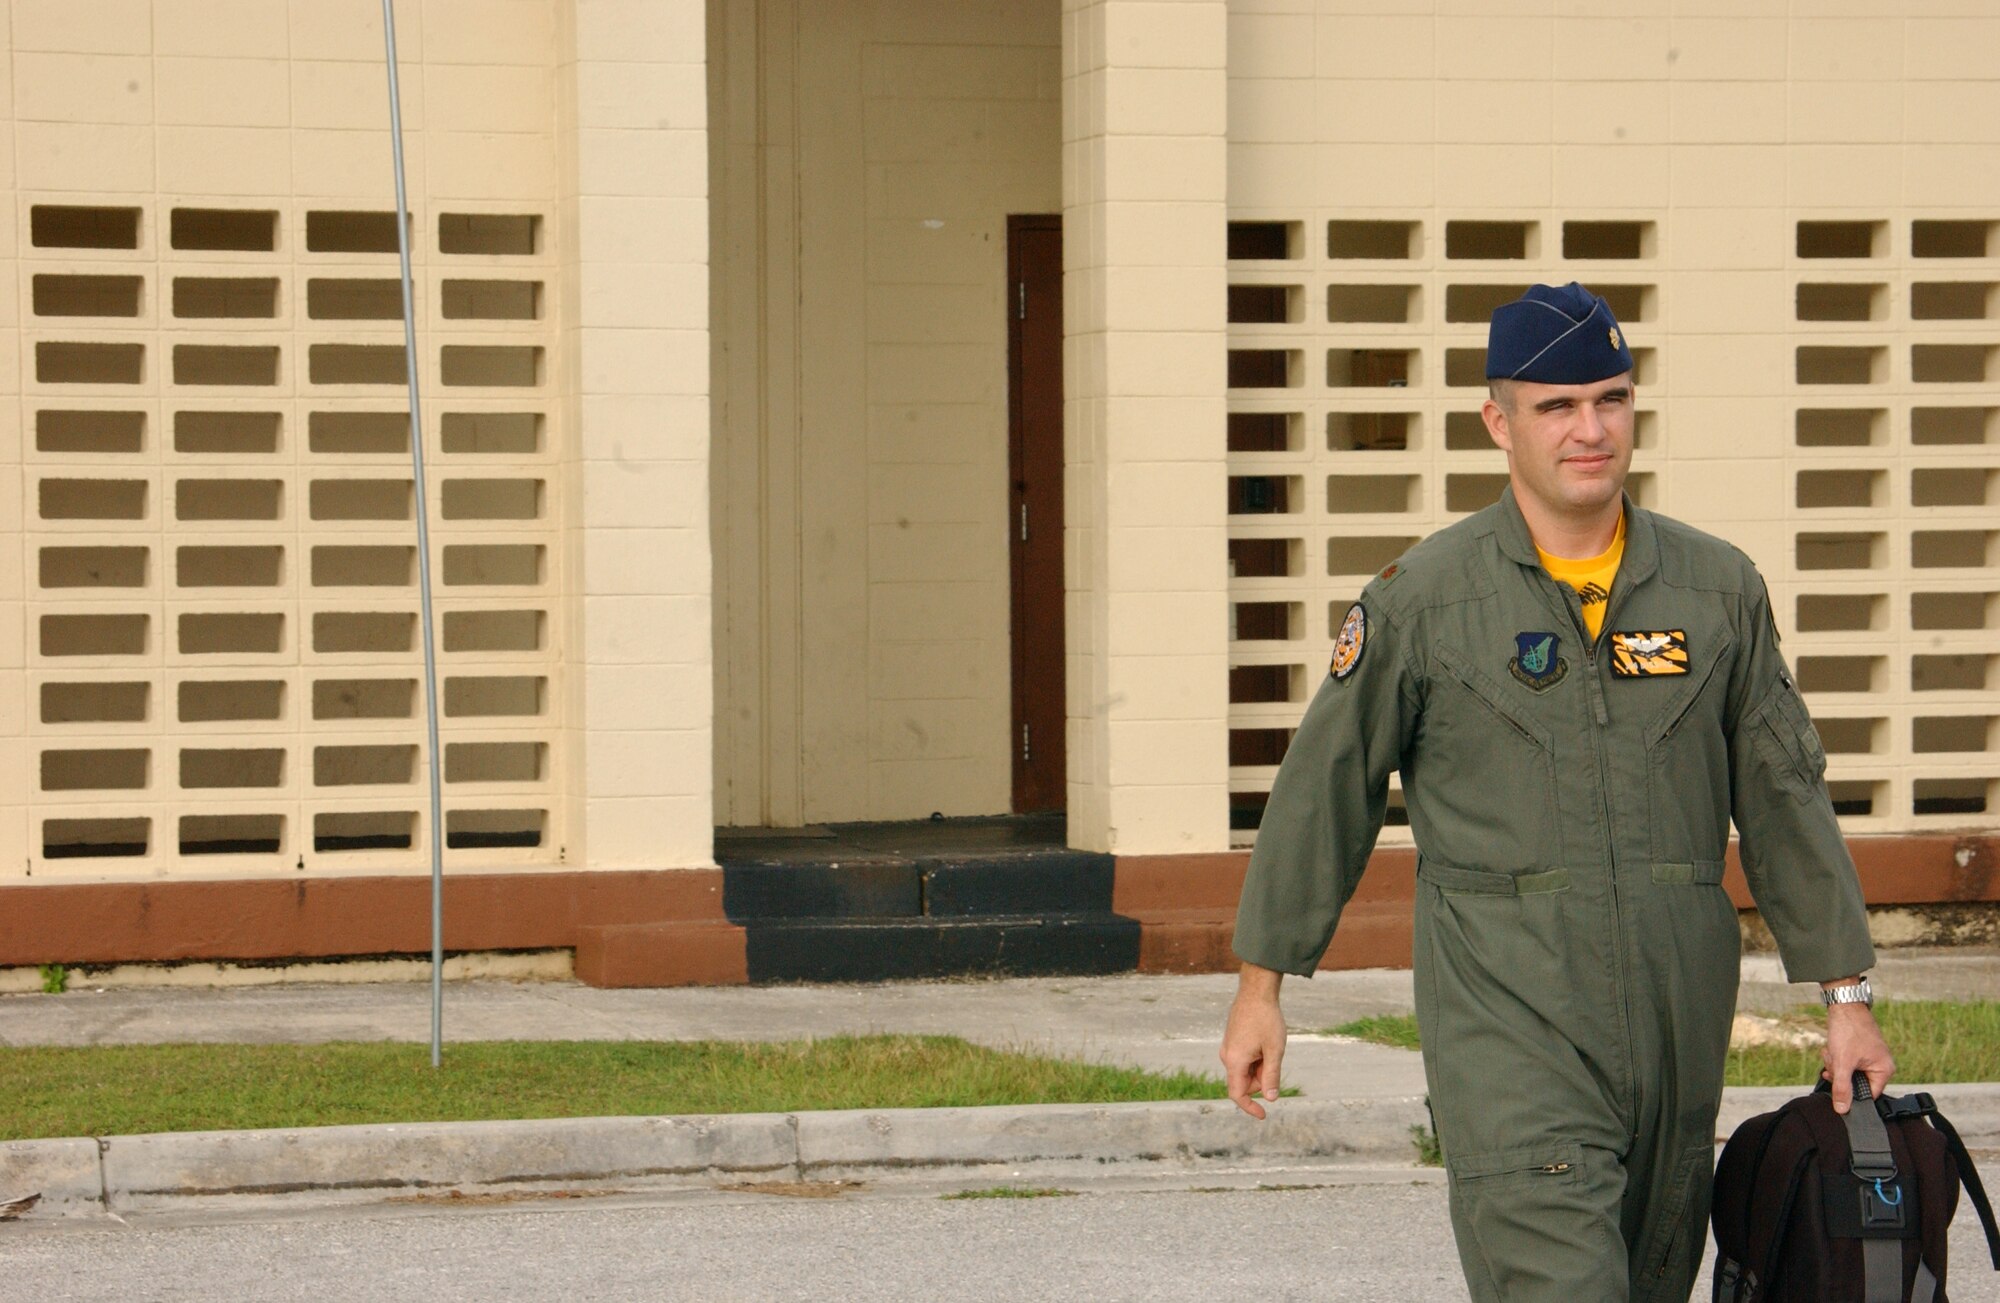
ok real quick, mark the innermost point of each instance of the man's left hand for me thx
(1855, 1044)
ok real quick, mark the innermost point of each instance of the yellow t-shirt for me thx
(1591, 578)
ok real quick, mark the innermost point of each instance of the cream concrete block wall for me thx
(1795, 211)
(209, 627)
(871, 152)
(1144, 165)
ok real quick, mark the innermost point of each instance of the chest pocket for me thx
(1791, 744)
(1687, 706)
(1483, 781)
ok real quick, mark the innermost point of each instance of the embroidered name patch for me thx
(1535, 662)
(1649, 653)
(1348, 645)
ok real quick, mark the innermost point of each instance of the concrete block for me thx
(1612, 113)
(1142, 35)
(1389, 46)
(64, 1172)
(348, 95)
(1374, 111)
(1950, 49)
(1728, 112)
(1493, 112)
(82, 88)
(109, 27)
(247, 29)
(489, 31)
(323, 31)
(1377, 175)
(1959, 112)
(645, 31)
(1847, 50)
(472, 165)
(674, 832)
(1846, 175)
(88, 158)
(230, 93)
(227, 160)
(1743, 176)
(1730, 49)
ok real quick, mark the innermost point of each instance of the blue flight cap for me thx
(1554, 336)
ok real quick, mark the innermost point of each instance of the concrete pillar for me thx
(1144, 201)
(636, 339)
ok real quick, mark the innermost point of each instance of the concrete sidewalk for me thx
(1358, 1100)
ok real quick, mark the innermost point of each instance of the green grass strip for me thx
(1934, 1041)
(1399, 1030)
(133, 1089)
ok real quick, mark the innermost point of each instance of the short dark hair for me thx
(1503, 392)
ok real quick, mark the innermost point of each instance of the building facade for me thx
(863, 410)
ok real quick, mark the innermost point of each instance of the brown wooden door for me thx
(1035, 525)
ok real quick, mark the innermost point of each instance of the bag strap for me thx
(1968, 1175)
(1925, 1289)
(1867, 1137)
(1873, 1162)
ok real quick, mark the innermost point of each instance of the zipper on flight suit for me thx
(1601, 713)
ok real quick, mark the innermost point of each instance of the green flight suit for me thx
(1576, 956)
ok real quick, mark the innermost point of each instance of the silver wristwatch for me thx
(1856, 993)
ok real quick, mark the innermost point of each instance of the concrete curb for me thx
(67, 1174)
(191, 1170)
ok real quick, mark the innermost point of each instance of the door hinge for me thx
(1020, 300)
(1024, 522)
(1027, 753)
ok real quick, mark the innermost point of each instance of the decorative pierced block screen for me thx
(1894, 481)
(223, 647)
(1849, 439)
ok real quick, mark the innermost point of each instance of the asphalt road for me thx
(1375, 1236)
(1374, 1241)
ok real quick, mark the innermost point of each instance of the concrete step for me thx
(874, 884)
(678, 953)
(873, 950)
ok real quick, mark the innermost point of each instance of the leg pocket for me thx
(1539, 1224)
(1671, 1249)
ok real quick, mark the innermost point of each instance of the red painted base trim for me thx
(313, 918)
(1186, 904)
(662, 954)
(666, 927)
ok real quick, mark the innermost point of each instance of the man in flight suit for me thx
(1579, 696)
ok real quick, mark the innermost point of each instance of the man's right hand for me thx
(1253, 1042)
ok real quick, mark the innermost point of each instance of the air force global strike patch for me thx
(1348, 644)
(1535, 662)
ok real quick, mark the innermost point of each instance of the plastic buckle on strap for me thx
(1878, 1210)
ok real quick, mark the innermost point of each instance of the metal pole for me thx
(435, 756)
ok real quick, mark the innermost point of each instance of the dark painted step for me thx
(877, 950)
(1042, 882)
(1010, 882)
(867, 888)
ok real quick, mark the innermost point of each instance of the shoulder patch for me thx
(1348, 645)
